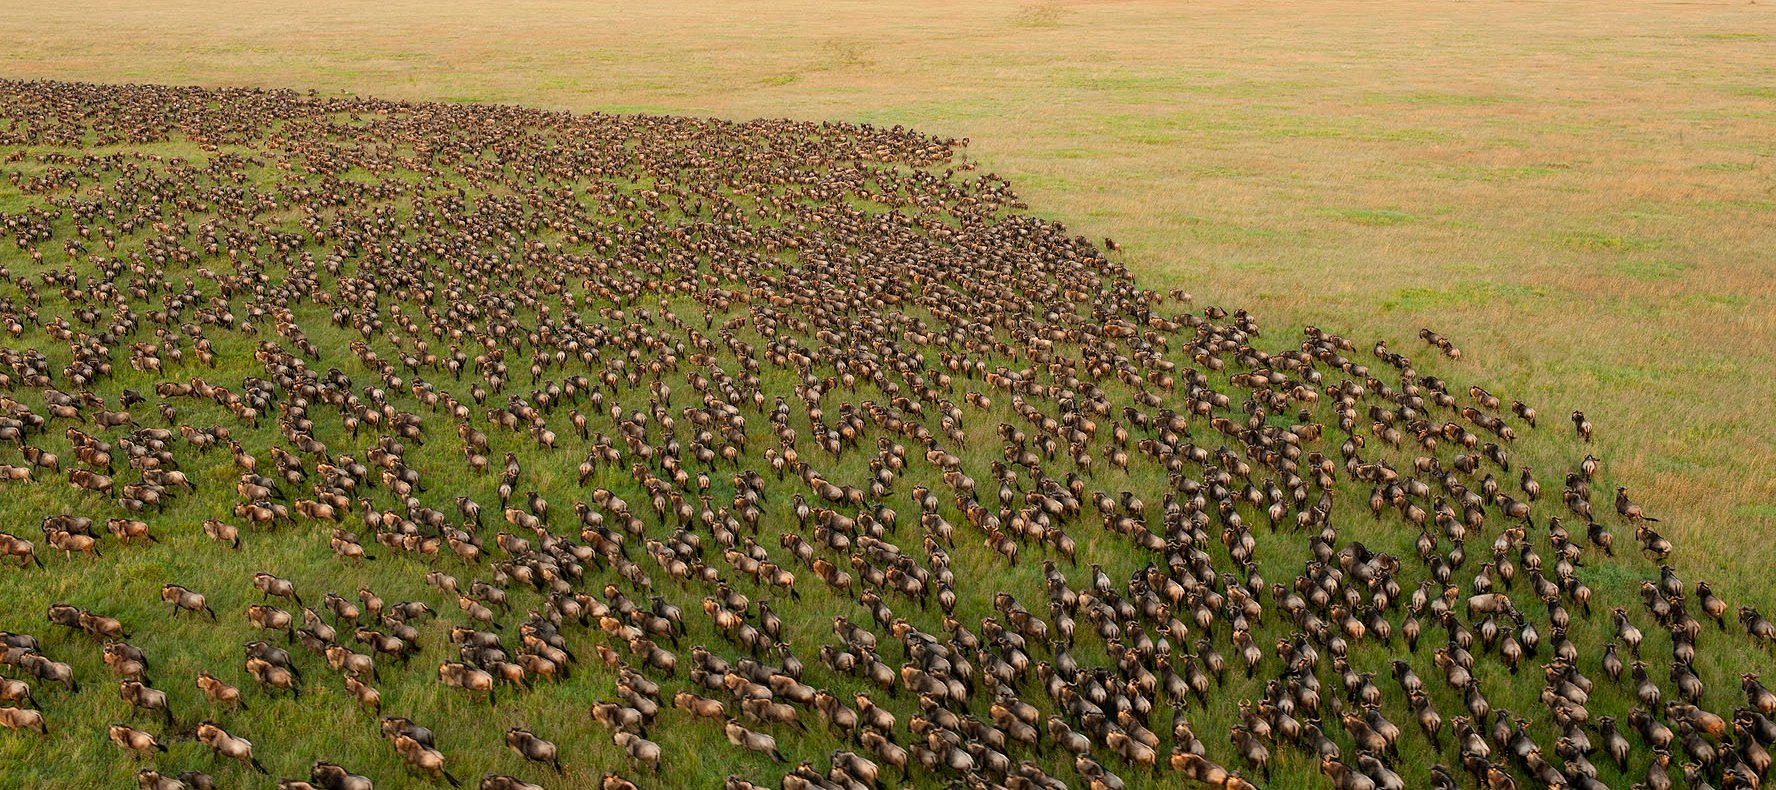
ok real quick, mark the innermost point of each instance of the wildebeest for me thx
(459, 675)
(226, 745)
(20, 549)
(526, 744)
(218, 691)
(752, 741)
(422, 758)
(143, 697)
(183, 599)
(16, 719)
(639, 749)
(269, 585)
(130, 739)
(333, 777)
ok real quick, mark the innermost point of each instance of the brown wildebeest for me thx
(619, 717)
(315, 511)
(702, 707)
(313, 625)
(125, 661)
(639, 749)
(395, 725)
(269, 585)
(91, 481)
(218, 691)
(344, 659)
(364, 693)
(752, 741)
(385, 644)
(272, 676)
(16, 719)
(45, 669)
(127, 530)
(270, 618)
(41, 459)
(130, 739)
(422, 758)
(859, 768)
(183, 599)
(103, 626)
(69, 543)
(347, 546)
(19, 548)
(150, 779)
(527, 745)
(142, 697)
(16, 691)
(373, 603)
(65, 615)
(459, 675)
(341, 608)
(222, 532)
(771, 712)
(261, 513)
(334, 777)
(225, 745)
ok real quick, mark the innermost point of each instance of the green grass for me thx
(1593, 241)
(1373, 216)
(1424, 300)
(1652, 270)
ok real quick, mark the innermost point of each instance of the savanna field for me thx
(839, 396)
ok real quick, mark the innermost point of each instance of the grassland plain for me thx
(324, 723)
(1578, 194)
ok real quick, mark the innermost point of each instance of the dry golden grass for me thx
(1579, 193)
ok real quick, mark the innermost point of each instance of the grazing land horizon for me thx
(790, 242)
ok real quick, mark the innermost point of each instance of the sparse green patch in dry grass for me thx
(1373, 216)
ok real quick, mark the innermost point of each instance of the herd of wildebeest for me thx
(861, 448)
